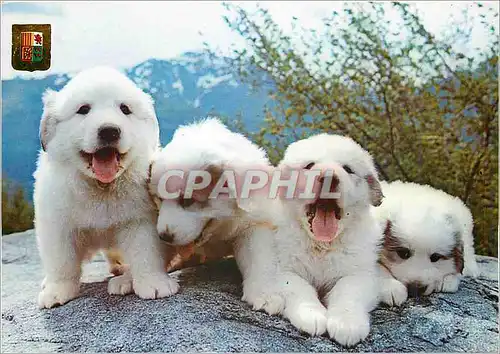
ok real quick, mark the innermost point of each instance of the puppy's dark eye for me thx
(309, 166)
(403, 253)
(185, 202)
(436, 257)
(348, 169)
(84, 109)
(125, 109)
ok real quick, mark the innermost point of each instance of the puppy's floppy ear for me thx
(215, 172)
(376, 194)
(47, 123)
(387, 229)
(458, 257)
(150, 171)
(458, 251)
(389, 244)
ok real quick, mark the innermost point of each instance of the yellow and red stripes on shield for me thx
(26, 39)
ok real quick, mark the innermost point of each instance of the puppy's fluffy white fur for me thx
(329, 285)
(428, 240)
(214, 223)
(207, 144)
(75, 214)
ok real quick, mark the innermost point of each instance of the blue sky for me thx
(31, 8)
(123, 34)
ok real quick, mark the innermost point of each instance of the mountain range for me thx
(189, 87)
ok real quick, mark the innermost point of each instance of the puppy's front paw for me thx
(260, 299)
(348, 327)
(55, 294)
(449, 283)
(471, 270)
(309, 318)
(155, 286)
(120, 285)
(393, 292)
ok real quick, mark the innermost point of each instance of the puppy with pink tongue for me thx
(324, 225)
(98, 134)
(327, 240)
(105, 165)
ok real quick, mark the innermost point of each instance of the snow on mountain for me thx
(209, 81)
(178, 85)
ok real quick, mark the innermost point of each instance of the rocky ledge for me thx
(207, 315)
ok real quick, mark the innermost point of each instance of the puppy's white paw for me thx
(435, 286)
(309, 318)
(155, 286)
(272, 304)
(348, 327)
(449, 283)
(261, 299)
(54, 294)
(120, 285)
(393, 292)
(471, 270)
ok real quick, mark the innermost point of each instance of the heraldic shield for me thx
(31, 47)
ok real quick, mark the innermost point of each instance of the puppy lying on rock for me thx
(428, 241)
(210, 220)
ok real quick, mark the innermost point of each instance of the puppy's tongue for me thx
(324, 225)
(105, 165)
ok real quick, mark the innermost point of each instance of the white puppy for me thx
(215, 223)
(98, 135)
(327, 249)
(428, 236)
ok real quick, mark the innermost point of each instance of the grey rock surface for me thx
(207, 315)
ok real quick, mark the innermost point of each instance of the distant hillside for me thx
(184, 89)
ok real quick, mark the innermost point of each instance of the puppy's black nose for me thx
(166, 236)
(416, 289)
(109, 133)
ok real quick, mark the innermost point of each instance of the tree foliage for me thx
(17, 212)
(426, 110)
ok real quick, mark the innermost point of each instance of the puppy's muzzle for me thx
(416, 289)
(109, 134)
(331, 181)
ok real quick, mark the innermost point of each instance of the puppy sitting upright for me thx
(326, 248)
(428, 235)
(98, 135)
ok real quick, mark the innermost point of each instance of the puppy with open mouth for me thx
(98, 136)
(327, 248)
(428, 241)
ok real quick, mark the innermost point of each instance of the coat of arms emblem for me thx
(31, 47)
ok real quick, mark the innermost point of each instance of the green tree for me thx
(425, 109)
(17, 212)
